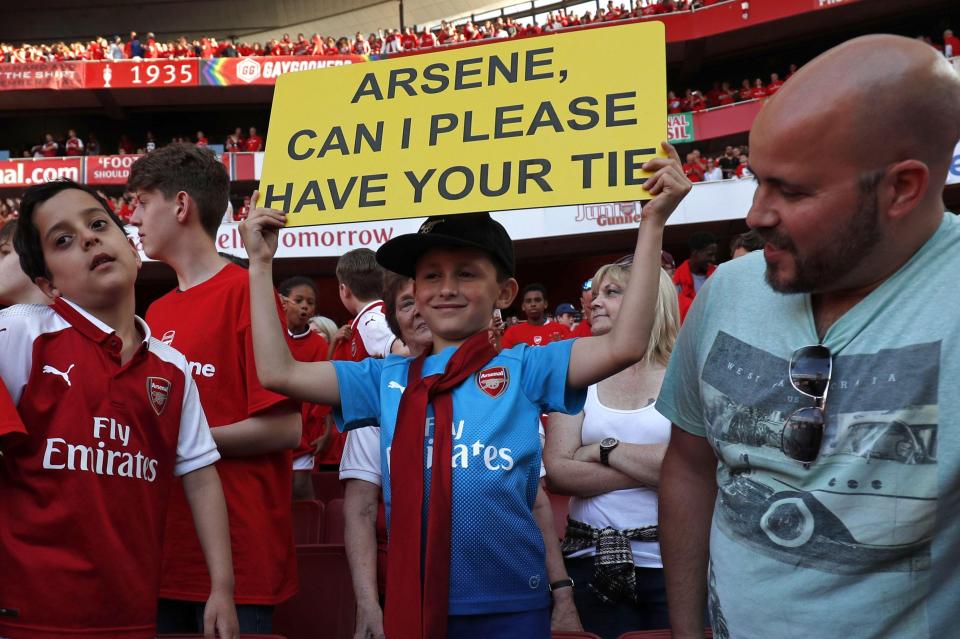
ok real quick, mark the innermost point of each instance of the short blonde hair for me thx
(326, 326)
(666, 323)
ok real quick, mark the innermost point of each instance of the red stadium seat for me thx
(307, 522)
(324, 606)
(327, 486)
(573, 635)
(560, 504)
(334, 522)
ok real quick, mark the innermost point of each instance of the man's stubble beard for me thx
(839, 254)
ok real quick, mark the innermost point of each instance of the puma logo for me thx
(64, 374)
(396, 386)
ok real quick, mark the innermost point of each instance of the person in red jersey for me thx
(74, 145)
(11, 428)
(201, 139)
(299, 296)
(693, 169)
(428, 39)
(536, 331)
(182, 193)
(759, 91)
(726, 95)
(50, 148)
(951, 44)
(583, 329)
(694, 271)
(674, 104)
(254, 142)
(775, 83)
(113, 416)
(409, 40)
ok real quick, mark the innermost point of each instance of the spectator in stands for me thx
(427, 39)
(73, 146)
(694, 271)
(566, 314)
(693, 169)
(854, 275)
(536, 331)
(674, 104)
(743, 169)
(746, 91)
(234, 143)
(951, 44)
(409, 40)
(116, 49)
(360, 45)
(608, 457)
(728, 162)
(582, 329)
(775, 83)
(713, 172)
(49, 149)
(667, 263)
(759, 91)
(93, 147)
(745, 243)
(727, 95)
(15, 286)
(201, 139)
(254, 142)
(134, 48)
(299, 298)
(392, 42)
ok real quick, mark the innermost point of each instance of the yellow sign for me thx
(567, 118)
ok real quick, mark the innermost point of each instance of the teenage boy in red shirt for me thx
(536, 331)
(182, 193)
(113, 416)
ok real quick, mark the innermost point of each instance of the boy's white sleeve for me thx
(361, 456)
(195, 445)
(375, 333)
(20, 325)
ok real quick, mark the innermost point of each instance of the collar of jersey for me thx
(90, 326)
(436, 363)
(364, 310)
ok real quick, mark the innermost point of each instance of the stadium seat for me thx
(560, 504)
(333, 522)
(307, 522)
(327, 486)
(324, 606)
(572, 635)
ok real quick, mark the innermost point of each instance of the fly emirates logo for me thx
(105, 457)
(465, 454)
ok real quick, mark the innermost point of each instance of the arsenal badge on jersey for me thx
(158, 391)
(493, 381)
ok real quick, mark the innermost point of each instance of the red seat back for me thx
(307, 522)
(325, 605)
(334, 522)
(327, 485)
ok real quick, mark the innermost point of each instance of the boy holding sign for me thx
(475, 517)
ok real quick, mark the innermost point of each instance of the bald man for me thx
(814, 462)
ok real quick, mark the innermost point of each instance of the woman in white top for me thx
(608, 457)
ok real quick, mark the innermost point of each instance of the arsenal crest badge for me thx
(158, 392)
(493, 381)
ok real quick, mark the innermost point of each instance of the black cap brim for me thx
(401, 254)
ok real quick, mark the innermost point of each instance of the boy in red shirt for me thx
(182, 193)
(536, 331)
(113, 416)
(299, 296)
(254, 143)
(74, 145)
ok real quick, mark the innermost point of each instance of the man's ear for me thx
(183, 202)
(47, 287)
(508, 292)
(905, 188)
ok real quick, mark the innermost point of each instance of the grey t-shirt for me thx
(865, 542)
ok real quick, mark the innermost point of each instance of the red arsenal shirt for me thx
(527, 333)
(83, 495)
(582, 330)
(210, 324)
(309, 347)
(10, 424)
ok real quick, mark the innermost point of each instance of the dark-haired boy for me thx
(182, 193)
(466, 558)
(536, 331)
(112, 416)
(15, 286)
(695, 270)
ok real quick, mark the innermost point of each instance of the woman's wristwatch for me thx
(563, 583)
(607, 444)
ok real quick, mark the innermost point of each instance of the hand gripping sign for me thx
(567, 118)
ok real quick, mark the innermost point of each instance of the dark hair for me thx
(359, 270)
(291, 283)
(751, 241)
(26, 237)
(6, 231)
(701, 240)
(185, 167)
(392, 285)
(533, 287)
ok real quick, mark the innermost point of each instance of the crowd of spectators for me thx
(733, 163)
(72, 145)
(383, 41)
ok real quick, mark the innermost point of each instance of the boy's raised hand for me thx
(261, 231)
(668, 184)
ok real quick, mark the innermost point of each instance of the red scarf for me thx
(417, 603)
